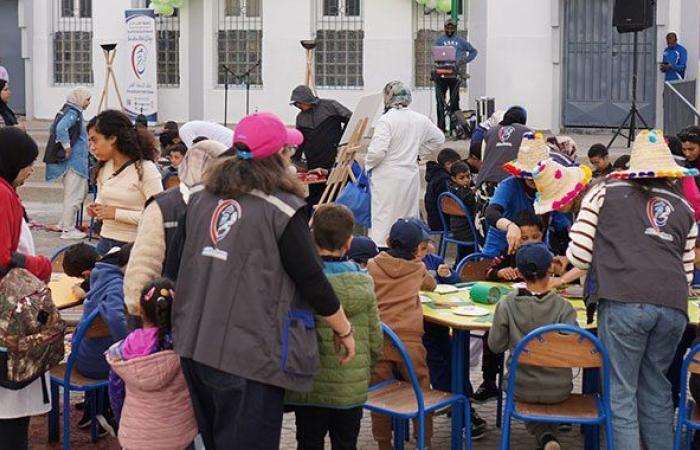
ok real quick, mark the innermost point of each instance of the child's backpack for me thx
(31, 330)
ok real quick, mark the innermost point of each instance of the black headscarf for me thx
(515, 114)
(7, 115)
(17, 151)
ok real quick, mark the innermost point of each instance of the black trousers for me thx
(314, 422)
(234, 413)
(491, 363)
(14, 434)
(442, 85)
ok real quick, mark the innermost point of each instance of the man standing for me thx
(674, 60)
(465, 54)
(322, 122)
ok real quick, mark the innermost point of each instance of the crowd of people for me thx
(224, 308)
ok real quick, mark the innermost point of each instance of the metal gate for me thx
(11, 52)
(597, 63)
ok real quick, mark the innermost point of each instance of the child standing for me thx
(520, 313)
(334, 405)
(147, 389)
(437, 174)
(461, 185)
(399, 275)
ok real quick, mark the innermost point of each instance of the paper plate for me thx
(425, 299)
(471, 310)
(445, 289)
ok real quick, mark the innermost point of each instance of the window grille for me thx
(429, 25)
(239, 40)
(340, 42)
(168, 43)
(72, 42)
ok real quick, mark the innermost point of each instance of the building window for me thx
(168, 43)
(340, 39)
(239, 42)
(429, 25)
(72, 42)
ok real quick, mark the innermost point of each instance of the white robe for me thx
(213, 131)
(400, 136)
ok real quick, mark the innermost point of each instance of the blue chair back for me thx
(396, 342)
(460, 211)
(474, 257)
(691, 363)
(78, 337)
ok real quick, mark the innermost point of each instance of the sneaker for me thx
(479, 426)
(86, 420)
(550, 443)
(487, 391)
(104, 427)
(72, 234)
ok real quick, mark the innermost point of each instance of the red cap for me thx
(264, 134)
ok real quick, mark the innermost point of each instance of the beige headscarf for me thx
(77, 96)
(197, 160)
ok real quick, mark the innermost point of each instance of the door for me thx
(597, 67)
(11, 52)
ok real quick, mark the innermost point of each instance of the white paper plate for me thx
(471, 310)
(445, 289)
(425, 299)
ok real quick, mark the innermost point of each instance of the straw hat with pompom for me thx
(558, 185)
(531, 152)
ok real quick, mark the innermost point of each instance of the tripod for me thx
(243, 78)
(110, 52)
(633, 113)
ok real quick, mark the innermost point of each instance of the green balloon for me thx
(177, 3)
(165, 10)
(444, 6)
(422, 2)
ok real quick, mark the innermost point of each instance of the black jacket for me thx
(436, 178)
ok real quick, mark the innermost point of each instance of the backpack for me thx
(31, 330)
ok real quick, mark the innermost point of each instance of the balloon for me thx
(165, 10)
(177, 3)
(421, 2)
(432, 4)
(444, 6)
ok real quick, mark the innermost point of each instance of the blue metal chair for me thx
(405, 400)
(474, 257)
(63, 376)
(561, 346)
(688, 412)
(450, 205)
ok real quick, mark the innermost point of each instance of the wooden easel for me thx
(110, 52)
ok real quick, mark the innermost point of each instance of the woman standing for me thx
(7, 116)
(67, 157)
(126, 176)
(400, 137)
(17, 154)
(250, 281)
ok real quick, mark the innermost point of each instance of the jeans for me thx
(313, 423)
(14, 434)
(234, 412)
(106, 245)
(436, 341)
(641, 340)
(442, 85)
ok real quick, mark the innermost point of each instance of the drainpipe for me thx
(455, 9)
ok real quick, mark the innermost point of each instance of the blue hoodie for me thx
(465, 51)
(106, 295)
(432, 262)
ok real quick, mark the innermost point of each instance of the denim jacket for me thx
(78, 160)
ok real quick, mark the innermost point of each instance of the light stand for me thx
(227, 71)
(110, 52)
(633, 113)
(310, 76)
(244, 79)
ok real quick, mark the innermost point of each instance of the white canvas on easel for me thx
(370, 107)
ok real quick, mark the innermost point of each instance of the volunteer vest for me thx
(639, 245)
(502, 145)
(237, 310)
(172, 207)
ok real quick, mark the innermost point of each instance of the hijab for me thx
(515, 114)
(78, 96)
(8, 116)
(197, 160)
(17, 151)
(396, 95)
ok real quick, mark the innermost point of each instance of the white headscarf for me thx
(78, 96)
(197, 160)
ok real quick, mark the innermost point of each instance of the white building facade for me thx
(525, 54)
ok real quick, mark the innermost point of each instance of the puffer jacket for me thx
(157, 413)
(346, 387)
(436, 178)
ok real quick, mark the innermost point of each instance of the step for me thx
(41, 191)
(39, 172)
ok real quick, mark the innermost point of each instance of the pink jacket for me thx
(692, 194)
(157, 413)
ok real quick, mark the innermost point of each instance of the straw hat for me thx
(532, 150)
(558, 185)
(651, 158)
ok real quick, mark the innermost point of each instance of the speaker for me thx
(633, 15)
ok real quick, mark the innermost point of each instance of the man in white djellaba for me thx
(400, 137)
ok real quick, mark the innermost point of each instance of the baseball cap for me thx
(362, 249)
(407, 234)
(533, 260)
(264, 134)
(450, 21)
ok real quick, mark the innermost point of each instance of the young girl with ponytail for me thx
(147, 390)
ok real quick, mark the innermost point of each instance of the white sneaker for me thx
(73, 234)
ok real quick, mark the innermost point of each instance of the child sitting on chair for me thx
(362, 249)
(437, 175)
(522, 312)
(78, 262)
(531, 230)
(399, 275)
(461, 185)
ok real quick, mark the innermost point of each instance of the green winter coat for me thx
(346, 387)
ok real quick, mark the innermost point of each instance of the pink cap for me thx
(265, 134)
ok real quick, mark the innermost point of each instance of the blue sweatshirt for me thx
(677, 57)
(106, 295)
(432, 262)
(465, 51)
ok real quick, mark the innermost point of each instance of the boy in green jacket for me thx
(520, 313)
(334, 405)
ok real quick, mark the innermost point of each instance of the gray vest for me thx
(639, 245)
(502, 145)
(237, 310)
(172, 207)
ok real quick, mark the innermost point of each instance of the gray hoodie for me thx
(517, 315)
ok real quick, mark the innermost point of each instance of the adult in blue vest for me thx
(675, 59)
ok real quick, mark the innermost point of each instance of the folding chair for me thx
(63, 376)
(688, 411)
(404, 400)
(561, 346)
(450, 205)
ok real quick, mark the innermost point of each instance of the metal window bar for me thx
(168, 44)
(340, 43)
(429, 24)
(72, 42)
(239, 40)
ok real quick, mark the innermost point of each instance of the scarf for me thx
(396, 95)
(197, 160)
(8, 116)
(17, 151)
(77, 96)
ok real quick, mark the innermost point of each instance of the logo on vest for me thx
(223, 219)
(504, 135)
(658, 211)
